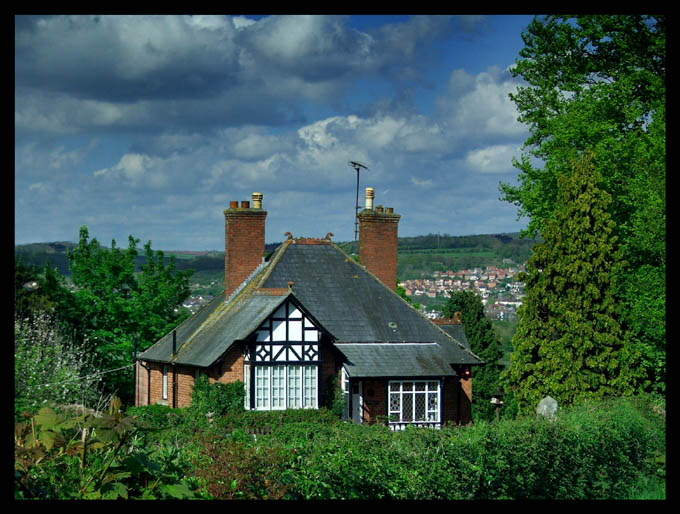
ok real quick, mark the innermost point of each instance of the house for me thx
(308, 317)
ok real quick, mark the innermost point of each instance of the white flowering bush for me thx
(49, 368)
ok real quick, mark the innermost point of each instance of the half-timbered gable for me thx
(308, 318)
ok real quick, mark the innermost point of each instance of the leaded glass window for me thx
(414, 401)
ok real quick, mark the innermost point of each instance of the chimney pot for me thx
(389, 210)
(370, 194)
(233, 204)
(379, 208)
(245, 204)
(257, 200)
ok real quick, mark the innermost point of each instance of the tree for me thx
(483, 343)
(569, 343)
(597, 83)
(113, 304)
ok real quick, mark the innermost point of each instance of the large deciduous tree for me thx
(597, 83)
(569, 343)
(483, 343)
(113, 304)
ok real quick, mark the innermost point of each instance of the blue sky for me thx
(150, 125)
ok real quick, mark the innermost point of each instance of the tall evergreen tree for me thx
(484, 344)
(569, 343)
(598, 82)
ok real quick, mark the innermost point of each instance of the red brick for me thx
(378, 241)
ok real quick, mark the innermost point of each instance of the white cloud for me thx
(481, 106)
(493, 159)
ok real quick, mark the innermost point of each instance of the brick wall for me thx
(378, 242)
(230, 369)
(244, 240)
(141, 385)
(183, 375)
(375, 400)
(457, 401)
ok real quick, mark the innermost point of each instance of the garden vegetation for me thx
(597, 450)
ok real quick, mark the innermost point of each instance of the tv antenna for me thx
(357, 166)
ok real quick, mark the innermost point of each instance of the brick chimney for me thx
(378, 241)
(243, 241)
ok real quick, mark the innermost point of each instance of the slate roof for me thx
(380, 360)
(457, 332)
(203, 338)
(351, 304)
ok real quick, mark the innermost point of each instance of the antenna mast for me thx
(357, 166)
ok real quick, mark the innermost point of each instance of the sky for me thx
(150, 125)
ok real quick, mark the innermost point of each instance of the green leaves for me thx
(484, 344)
(94, 456)
(596, 83)
(114, 303)
(569, 343)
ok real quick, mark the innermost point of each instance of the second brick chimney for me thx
(243, 241)
(378, 241)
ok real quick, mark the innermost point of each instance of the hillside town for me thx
(501, 293)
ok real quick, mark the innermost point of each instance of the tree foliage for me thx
(113, 305)
(569, 343)
(483, 343)
(597, 83)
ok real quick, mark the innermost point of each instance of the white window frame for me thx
(280, 377)
(164, 391)
(246, 386)
(397, 391)
(344, 384)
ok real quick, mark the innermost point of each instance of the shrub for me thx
(94, 456)
(230, 468)
(216, 399)
(49, 367)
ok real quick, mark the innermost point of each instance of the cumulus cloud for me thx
(207, 109)
(492, 159)
(479, 105)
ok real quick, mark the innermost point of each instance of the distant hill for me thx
(417, 255)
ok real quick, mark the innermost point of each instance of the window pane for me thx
(278, 388)
(407, 407)
(419, 407)
(165, 382)
(309, 386)
(420, 386)
(294, 387)
(433, 386)
(261, 387)
(395, 386)
(394, 403)
(433, 406)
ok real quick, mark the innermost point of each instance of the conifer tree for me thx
(483, 343)
(569, 343)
